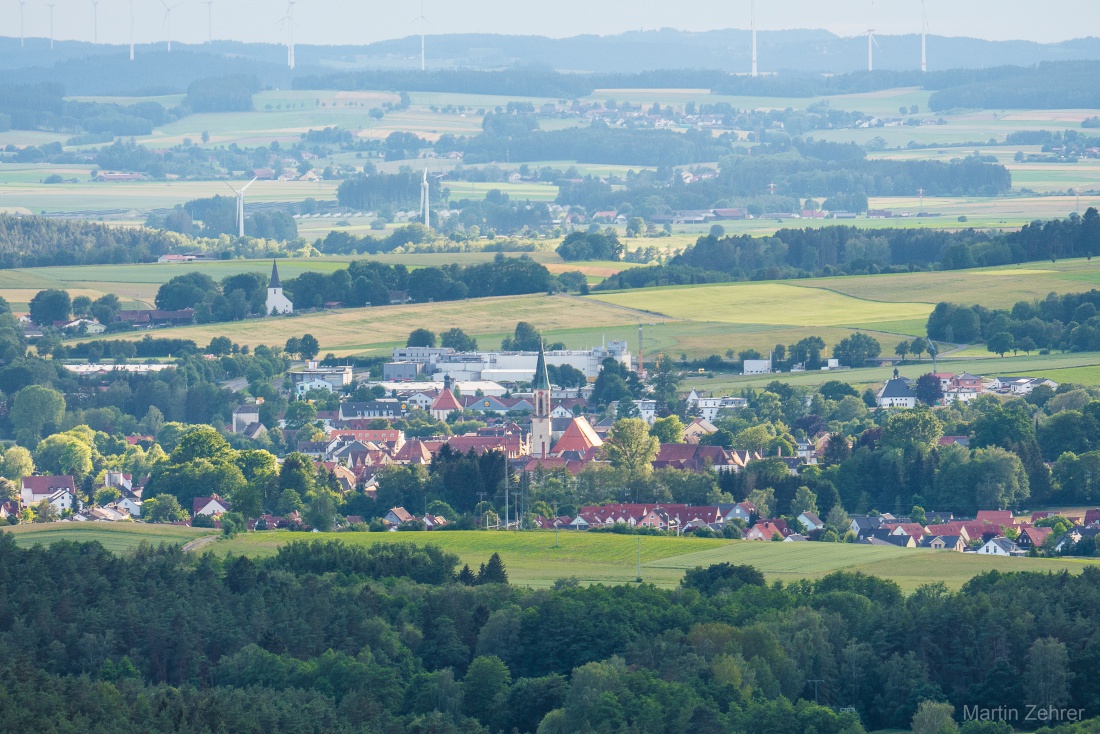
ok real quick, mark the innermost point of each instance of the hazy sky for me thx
(363, 21)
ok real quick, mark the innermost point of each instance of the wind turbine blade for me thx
(249, 184)
(231, 188)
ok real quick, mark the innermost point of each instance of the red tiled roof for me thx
(579, 436)
(48, 484)
(446, 401)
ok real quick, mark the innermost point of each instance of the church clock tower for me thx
(540, 421)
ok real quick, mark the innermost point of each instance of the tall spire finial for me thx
(274, 275)
(542, 379)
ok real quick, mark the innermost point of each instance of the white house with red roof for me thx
(212, 506)
(60, 491)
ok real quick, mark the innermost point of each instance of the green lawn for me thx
(116, 537)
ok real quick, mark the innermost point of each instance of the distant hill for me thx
(805, 51)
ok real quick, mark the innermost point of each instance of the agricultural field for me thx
(538, 559)
(115, 537)
(688, 320)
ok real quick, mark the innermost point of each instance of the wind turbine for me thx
(923, 37)
(95, 21)
(22, 7)
(131, 30)
(423, 20)
(209, 21)
(167, 20)
(425, 204)
(871, 41)
(240, 204)
(288, 22)
(50, 6)
(752, 21)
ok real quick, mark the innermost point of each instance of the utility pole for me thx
(481, 501)
(506, 494)
(639, 579)
(555, 521)
(816, 682)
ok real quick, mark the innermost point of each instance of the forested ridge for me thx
(324, 637)
(843, 250)
(27, 242)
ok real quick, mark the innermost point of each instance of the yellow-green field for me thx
(772, 304)
(697, 321)
(116, 537)
(538, 559)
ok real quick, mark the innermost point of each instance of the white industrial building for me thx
(510, 367)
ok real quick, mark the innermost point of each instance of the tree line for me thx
(324, 636)
(843, 250)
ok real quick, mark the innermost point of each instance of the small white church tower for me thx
(277, 303)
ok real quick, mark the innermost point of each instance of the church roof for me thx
(274, 283)
(446, 401)
(579, 436)
(542, 380)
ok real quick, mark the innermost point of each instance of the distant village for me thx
(541, 428)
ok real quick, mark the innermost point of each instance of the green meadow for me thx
(695, 321)
(538, 559)
(116, 537)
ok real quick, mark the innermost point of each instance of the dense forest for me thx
(44, 107)
(328, 637)
(1067, 322)
(27, 242)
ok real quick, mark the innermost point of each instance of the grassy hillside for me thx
(534, 559)
(692, 320)
(116, 537)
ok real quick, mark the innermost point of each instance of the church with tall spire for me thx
(277, 303)
(541, 437)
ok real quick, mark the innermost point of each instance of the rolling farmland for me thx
(692, 320)
(535, 559)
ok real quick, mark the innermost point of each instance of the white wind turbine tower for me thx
(22, 7)
(425, 203)
(95, 21)
(752, 21)
(240, 204)
(288, 22)
(131, 30)
(209, 21)
(50, 6)
(923, 37)
(871, 42)
(168, 20)
(423, 20)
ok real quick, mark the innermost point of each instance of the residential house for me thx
(212, 506)
(130, 506)
(60, 491)
(945, 542)
(697, 429)
(245, 416)
(397, 515)
(1033, 537)
(810, 521)
(743, 511)
(996, 517)
(763, 531)
(1001, 547)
